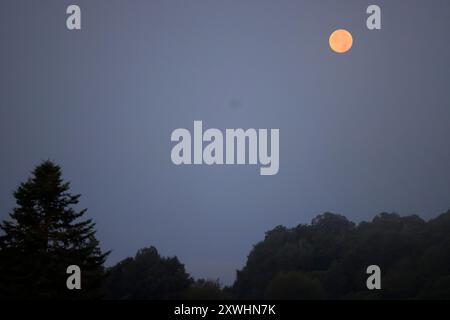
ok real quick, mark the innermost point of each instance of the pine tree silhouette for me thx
(43, 237)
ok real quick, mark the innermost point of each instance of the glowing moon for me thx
(341, 41)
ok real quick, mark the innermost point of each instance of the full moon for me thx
(341, 41)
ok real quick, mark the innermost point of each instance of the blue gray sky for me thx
(360, 133)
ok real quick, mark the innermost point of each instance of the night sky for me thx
(360, 133)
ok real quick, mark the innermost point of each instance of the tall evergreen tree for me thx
(44, 236)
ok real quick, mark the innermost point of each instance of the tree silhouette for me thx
(204, 289)
(147, 276)
(44, 236)
(329, 257)
(326, 259)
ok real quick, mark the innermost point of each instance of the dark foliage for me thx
(324, 260)
(328, 259)
(147, 276)
(44, 236)
(203, 289)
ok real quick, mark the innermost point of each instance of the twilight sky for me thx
(360, 133)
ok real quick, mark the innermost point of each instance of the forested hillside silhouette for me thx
(326, 259)
(329, 257)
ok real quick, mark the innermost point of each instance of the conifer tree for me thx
(44, 235)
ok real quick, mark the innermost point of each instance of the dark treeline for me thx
(326, 259)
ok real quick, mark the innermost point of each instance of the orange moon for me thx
(341, 41)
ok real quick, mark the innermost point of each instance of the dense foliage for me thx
(328, 259)
(147, 276)
(45, 235)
